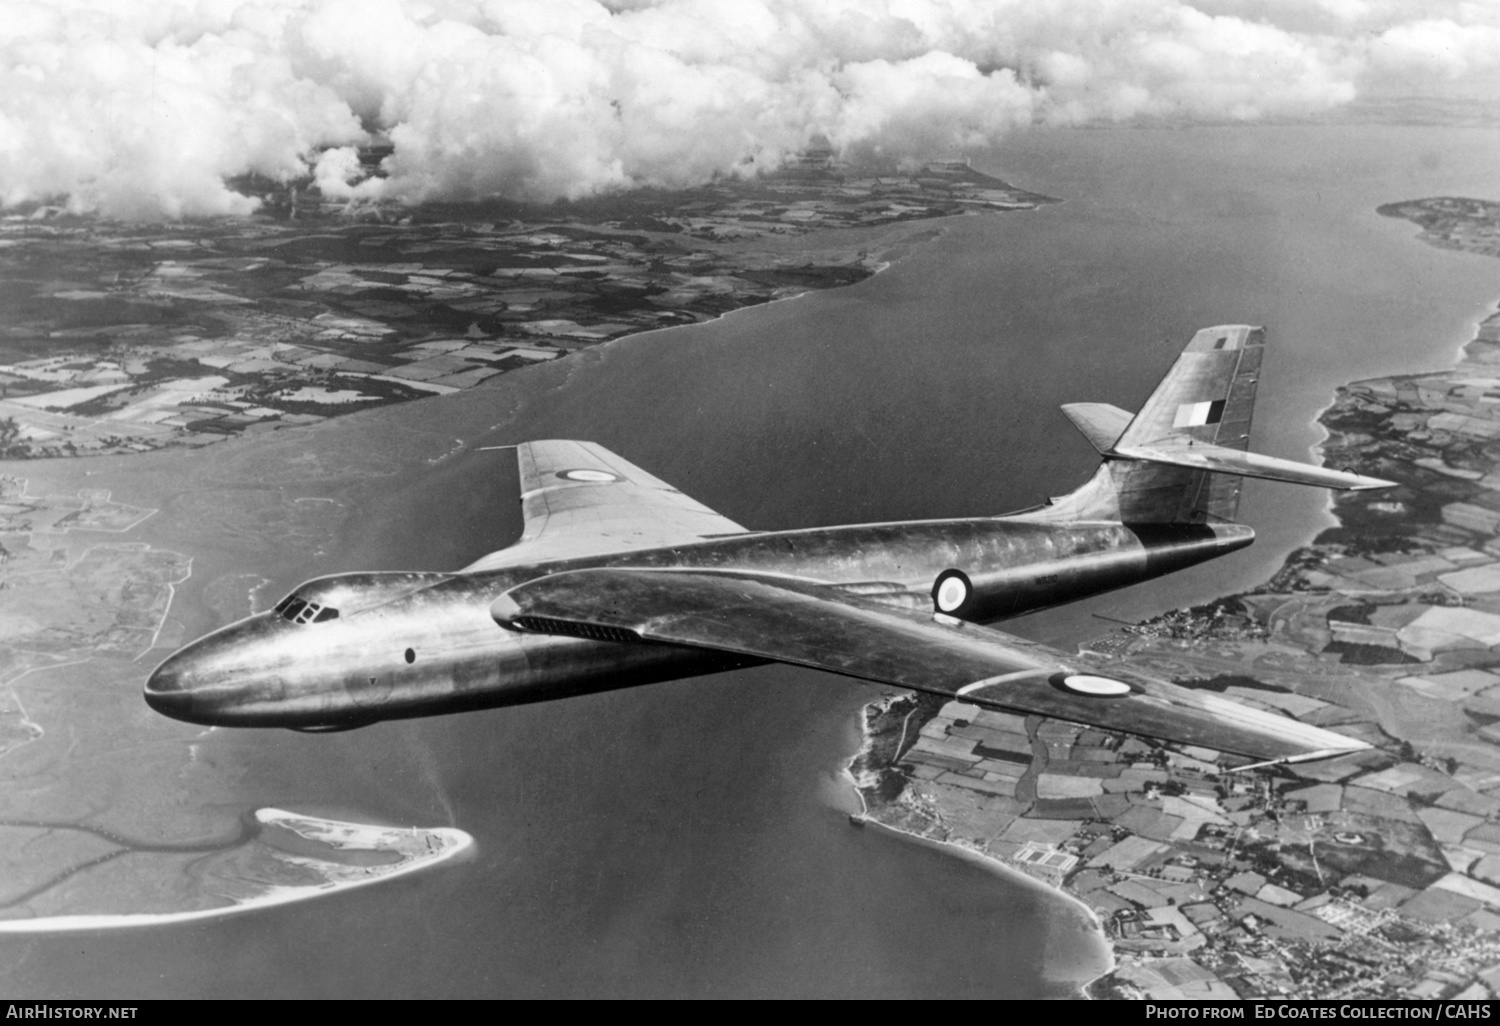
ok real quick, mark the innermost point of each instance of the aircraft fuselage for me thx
(403, 645)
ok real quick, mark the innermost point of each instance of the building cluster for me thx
(1297, 882)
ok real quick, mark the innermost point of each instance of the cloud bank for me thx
(143, 108)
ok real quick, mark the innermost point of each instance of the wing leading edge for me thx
(808, 624)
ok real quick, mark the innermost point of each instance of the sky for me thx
(146, 108)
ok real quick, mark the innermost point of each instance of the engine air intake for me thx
(568, 628)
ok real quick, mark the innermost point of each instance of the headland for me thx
(278, 857)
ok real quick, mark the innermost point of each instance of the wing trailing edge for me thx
(819, 626)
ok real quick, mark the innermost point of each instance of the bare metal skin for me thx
(620, 580)
(267, 672)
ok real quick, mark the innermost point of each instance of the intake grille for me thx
(567, 628)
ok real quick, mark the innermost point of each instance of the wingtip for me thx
(1346, 480)
(1349, 481)
(1352, 747)
(1371, 484)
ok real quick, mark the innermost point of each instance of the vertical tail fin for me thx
(1208, 396)
(1181, 459)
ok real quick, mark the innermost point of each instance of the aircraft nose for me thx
(169, 688)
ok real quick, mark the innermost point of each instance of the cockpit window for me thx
(340, 596)
(299, 611)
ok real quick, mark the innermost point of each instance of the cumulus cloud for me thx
(145, 108)
(1445, 48)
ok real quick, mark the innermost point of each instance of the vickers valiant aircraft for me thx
(619, 579)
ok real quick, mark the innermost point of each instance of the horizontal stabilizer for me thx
(1101, 423)
(809, 624)
(1220, 460)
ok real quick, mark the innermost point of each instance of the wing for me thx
(580, 499)
(793, 621)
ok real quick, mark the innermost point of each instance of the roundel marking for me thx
(951, 592)
(1094, 687)
(590, 476)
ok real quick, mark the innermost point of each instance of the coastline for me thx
(967, 852)
(277, 874)
(1087, 916)
(1467, 363)
(337, 316)
(1316, 452)
(922, 233)
(981, 857)
(235, 593)
(958, 878)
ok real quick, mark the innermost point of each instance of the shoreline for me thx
(1468, 350)
(234, 589)
(462, 895)
(924, 233)
(900, 241)
(935, 230)
(968, 853)
(992, 865)
(414, 849)
(1467, 336)
(235, 354)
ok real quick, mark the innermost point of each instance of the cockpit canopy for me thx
(299, 610)
(327, 598)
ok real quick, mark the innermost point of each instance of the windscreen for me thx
(299, 610)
